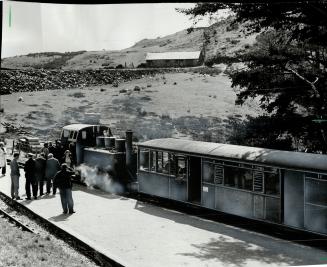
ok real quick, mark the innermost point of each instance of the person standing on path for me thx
(52, 167)
(68, 159)
(29, 169)
(3, 161)
(45, 150)
(14, 174)
(62, 180)
(40, 164)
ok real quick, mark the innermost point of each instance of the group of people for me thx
(45, 169)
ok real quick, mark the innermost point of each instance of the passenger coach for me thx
(288, 188)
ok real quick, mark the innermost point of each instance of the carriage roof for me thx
(78, 127)
(287, 159)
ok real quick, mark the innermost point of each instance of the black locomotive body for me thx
(281, 187)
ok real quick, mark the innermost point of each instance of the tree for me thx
(286, 69)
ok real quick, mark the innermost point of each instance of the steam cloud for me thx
(94, 177)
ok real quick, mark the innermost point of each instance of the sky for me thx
(36, 27)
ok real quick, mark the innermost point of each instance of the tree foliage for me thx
(286, 69)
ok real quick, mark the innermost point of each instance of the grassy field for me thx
(18, 248)
(188, 105)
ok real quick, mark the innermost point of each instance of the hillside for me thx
(221, 38)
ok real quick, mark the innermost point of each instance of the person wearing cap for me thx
(29, 169)
(51, 168)
(62, 180)
(51, 148)
(14, 174)
(3, 161)
(40, 164)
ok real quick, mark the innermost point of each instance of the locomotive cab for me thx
(80, 136)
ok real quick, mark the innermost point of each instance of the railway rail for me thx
(44, 227)
(16, 222)
(18, 219)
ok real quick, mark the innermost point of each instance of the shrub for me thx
(165, 116)
(235, 41)
(77, 95)
(142, 65)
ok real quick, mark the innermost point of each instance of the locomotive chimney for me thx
(129, 149)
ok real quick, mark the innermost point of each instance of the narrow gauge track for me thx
(15, 221)
(77, 244)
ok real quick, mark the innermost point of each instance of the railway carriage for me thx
(282, 187)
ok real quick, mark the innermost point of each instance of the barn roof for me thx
(287, 159)
(173, 55)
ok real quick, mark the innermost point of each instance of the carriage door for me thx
(294, 199)
(194, 180)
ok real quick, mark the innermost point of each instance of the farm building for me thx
(174, 59)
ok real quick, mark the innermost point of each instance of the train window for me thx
(144, 160)
(165, 162)
(83, 135)
(219, 174)
(75, 135)
(229, 176)
(238, 178)
(159, 162)
(272, 183)
(258, 181)
(169, 161)
(172, 164)
(181, 167)
(153, 161)
(71, 135)
(208, 172)
(323, 177)
(65, 133)
(315, 192)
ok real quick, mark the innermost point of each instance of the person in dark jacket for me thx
(62, 180)
(14, 175)
(40, 164)
(51, 148)
(57, 150)
(29, 169)
(72, 149)
(52, 167)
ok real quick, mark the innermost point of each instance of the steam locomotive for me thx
(280, 187)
